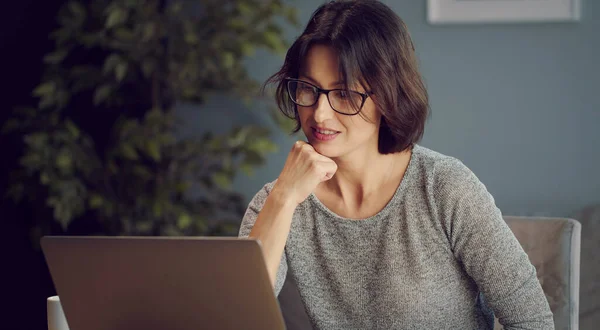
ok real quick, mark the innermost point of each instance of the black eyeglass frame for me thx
(326, 92)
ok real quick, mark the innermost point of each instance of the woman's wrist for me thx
(282, 198)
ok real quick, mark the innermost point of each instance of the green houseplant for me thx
(101, 142)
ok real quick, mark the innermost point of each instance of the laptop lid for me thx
(162, 283)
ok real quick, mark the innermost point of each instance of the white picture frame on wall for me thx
(502, 11)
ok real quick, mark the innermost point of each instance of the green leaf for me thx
(121, 71)
(244, 8)
(31, 161)
(184, 221)
(228, 60)
(62, 98)
(143, 227)
(77, 9)
(62, 214)
(102, 93)
(131, 3)
(247, 48)
(142, 172)
(291, 14)
(149, 31)
(46, 102)
(129, 151)
(154, 115)
(273, 41)
(262, 145)
(191, 38)
(124, 34)
(96, 201)
(247, 169)
(214, 143)
(166, 139)
(153, 149)
(90, 40)
(238, 136)
(56, 57)
(229, 229)
(182, 187)
(111, 62)
(253, 158)
(221, 179)
(148, 67)
(200, 225)
(157, 209)
(64, 161)
(36, 140)
(44, 89)
(117, 16)
(72, 128)
(237, 23)
(44, 178)
(170, 230)
(175, 7)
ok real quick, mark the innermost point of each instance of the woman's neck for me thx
(361, 174)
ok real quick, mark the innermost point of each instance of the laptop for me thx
(162, 283)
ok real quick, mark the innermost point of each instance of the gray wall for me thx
(517, 103)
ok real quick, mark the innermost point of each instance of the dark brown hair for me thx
(376, 51)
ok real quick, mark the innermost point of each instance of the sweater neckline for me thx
(396, 198)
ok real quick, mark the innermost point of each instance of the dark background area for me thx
(26, 283)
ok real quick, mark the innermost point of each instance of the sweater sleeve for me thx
(256, 204)
(489, 252)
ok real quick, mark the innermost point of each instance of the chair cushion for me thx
(589, 304)
(552, 245)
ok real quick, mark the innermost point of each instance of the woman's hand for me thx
(304, 169)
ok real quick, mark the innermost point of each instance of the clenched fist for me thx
(304, 169)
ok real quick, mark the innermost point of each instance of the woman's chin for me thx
(328, 147)
(329, 151)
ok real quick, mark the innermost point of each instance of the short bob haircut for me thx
(375, 50)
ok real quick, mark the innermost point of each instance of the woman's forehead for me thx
(321, 66)
(321, 62)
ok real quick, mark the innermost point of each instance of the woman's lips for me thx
(322, 136)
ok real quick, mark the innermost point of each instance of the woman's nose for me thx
(323, 110)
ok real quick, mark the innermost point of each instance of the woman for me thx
(377, 231)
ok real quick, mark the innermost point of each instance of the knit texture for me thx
(438, 256)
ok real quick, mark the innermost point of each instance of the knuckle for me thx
(315, 160)
(306, 147)
(296, 146)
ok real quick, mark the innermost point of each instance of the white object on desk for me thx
(56, 317)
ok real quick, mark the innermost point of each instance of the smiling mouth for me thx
(325, 131)
(324, 134)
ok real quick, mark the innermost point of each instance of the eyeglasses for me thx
(341, 101)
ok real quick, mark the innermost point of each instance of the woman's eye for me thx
(305, 89)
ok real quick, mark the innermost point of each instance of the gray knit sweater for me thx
(438, 256)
